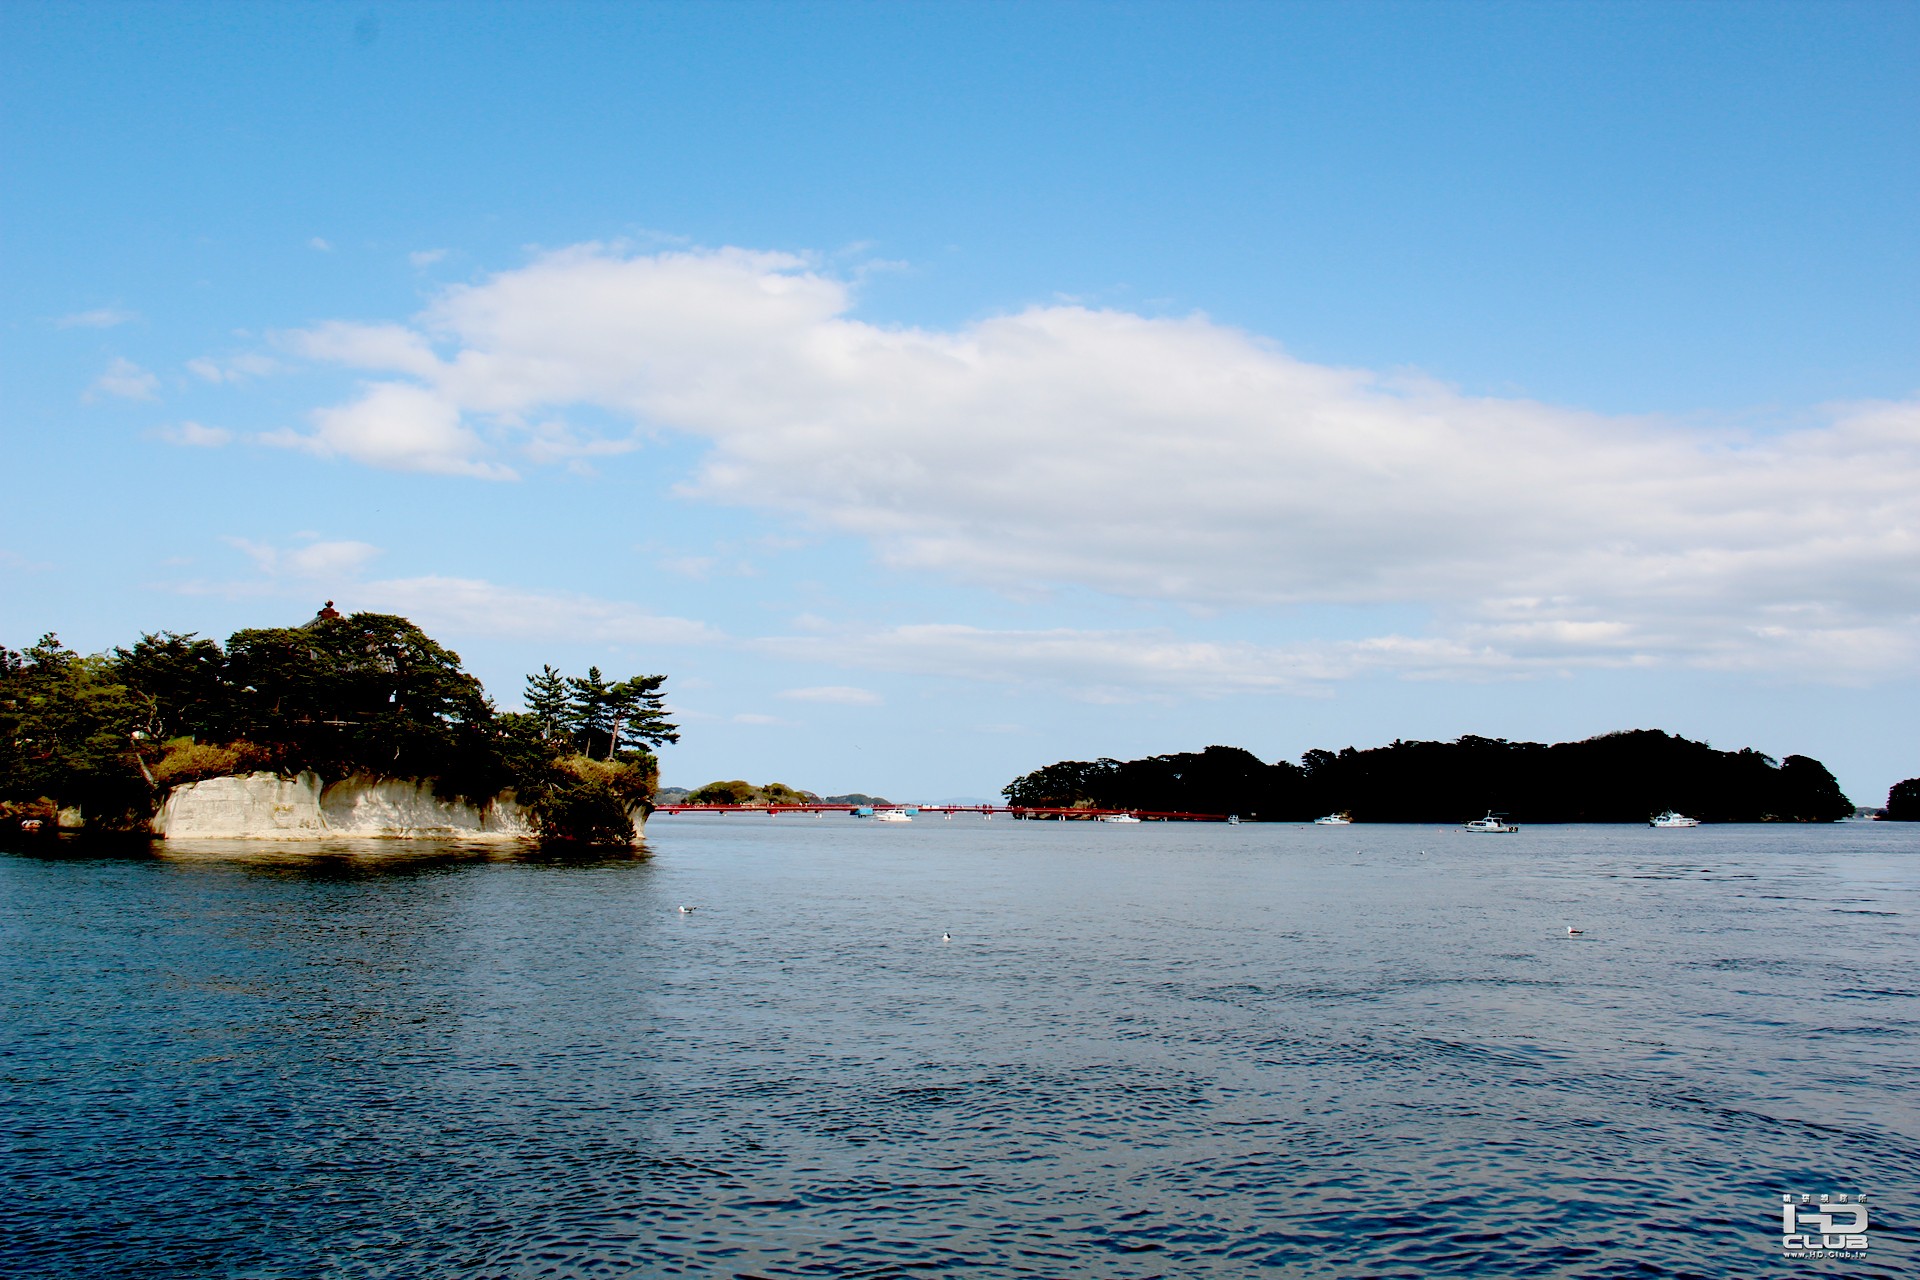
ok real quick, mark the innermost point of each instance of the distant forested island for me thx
(1616, 777)
(99, 741)
(740, 792)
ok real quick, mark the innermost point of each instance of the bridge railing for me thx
(985, 810)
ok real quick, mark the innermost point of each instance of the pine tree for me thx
(549, 702)
(594, 714)
(640, 715)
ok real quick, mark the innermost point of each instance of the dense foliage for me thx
(1903, 802)
(1618, 777)
(738, 791)
(368, 693)
(67, 727)
(596, 715)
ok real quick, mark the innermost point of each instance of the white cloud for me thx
(98, 318)
(399, 427)
(321, 244)
(699, 568)
(312, 565)
(234, 368)
(126, 380)
(1097, 666)
(388, 347)
(755, 717)
(839, 694)
(193, 435)
(311, 560)
(424, 258)
(475, 606)
(1178, 459)
(330, 559)
(557, 442)
(1158, 664)
(456, 606)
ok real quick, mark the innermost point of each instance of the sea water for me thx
(1157, 1050)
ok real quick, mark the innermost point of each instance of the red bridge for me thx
(983, 810)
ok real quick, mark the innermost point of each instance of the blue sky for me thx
(937, 391)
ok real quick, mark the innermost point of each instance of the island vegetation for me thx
(1616, 777)
(105, 736)
(1903, 802)
(739, 792)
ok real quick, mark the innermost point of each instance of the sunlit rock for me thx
(268, 806)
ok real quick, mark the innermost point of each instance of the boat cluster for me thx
(1498, 824)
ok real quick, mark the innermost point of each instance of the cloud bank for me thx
(1171, 459)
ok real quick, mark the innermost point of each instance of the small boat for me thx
(1233, 819)
(1672, 819)
(1333, 820)
(891, 815)
(1118, 817)
(1491, 823)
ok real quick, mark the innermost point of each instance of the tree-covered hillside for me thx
(108, 734)
(738, 791)
(1617, 777)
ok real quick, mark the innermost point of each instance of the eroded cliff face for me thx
(266, 806)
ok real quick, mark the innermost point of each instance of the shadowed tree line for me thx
(1617, 777)
(108, 734)
(738, 791)
(1903, 802)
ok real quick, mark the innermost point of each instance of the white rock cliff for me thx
(266, 806)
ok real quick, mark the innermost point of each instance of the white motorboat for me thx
(1333, 820)
(1672, 819)
(1491, 823)
(891, 815)
(1118, 817)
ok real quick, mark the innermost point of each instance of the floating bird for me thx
(946, 937)
(686, 911)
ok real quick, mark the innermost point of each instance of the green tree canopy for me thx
(603, 715)
(366, 692)
(67, 734)
(738, 791)
(180, 683)
(1616, 777)
(550, 703)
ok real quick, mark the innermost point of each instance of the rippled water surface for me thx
(1159, 1050)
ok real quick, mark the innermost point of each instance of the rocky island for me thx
(359, 725)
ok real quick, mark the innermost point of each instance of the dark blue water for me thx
(1159, 1050)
